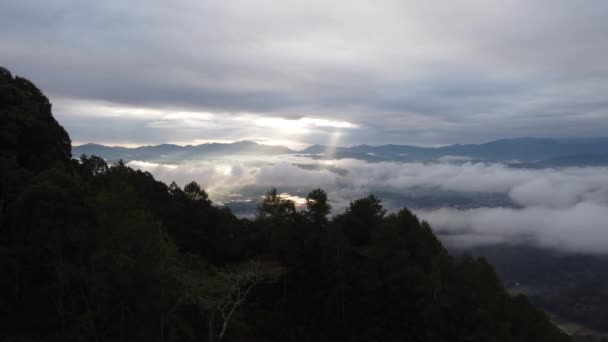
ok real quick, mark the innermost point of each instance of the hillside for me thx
(571, 286)
(91, 252)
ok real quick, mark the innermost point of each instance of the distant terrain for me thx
(572, 286)
(169, 152)
(520, 152)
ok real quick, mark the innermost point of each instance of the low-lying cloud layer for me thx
(579, 228)
(565, 209)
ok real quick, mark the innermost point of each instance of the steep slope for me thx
(30, 135)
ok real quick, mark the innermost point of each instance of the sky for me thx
(297, 73)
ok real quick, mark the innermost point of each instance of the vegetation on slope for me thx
(91, 252)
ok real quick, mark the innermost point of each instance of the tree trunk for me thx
(210, 320)
(162, 327)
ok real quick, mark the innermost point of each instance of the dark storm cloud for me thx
(420, 72)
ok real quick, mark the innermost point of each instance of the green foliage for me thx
(91, 252)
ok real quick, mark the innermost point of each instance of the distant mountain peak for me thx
(246, 142)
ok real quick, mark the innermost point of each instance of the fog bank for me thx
(558, 208)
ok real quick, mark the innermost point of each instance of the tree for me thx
(220, 293)
(361, 217)
(275, 208)
(195, 192)
(174, 189)
(94, 165)
(317, 206)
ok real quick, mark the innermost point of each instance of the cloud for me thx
(579, 228)
(286, 174)
(418, 72)
(219, 178)
(562, 189)
(112, 124)
(566, 209)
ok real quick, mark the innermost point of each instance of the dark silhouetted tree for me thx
(195, 192)
(360, 218)
(317, 206)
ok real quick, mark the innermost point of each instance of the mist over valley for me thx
(271, 171)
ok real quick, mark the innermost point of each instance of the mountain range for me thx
(521, 152)
(170, 152)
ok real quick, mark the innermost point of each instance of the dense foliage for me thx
(91, 252)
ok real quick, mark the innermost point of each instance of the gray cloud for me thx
(418, 72)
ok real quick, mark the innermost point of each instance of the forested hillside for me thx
(91, 252)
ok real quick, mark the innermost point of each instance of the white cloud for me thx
(559, 208)
(285, 174)
(579, 228)
(219, 178)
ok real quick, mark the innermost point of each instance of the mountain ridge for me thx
(525, 150)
